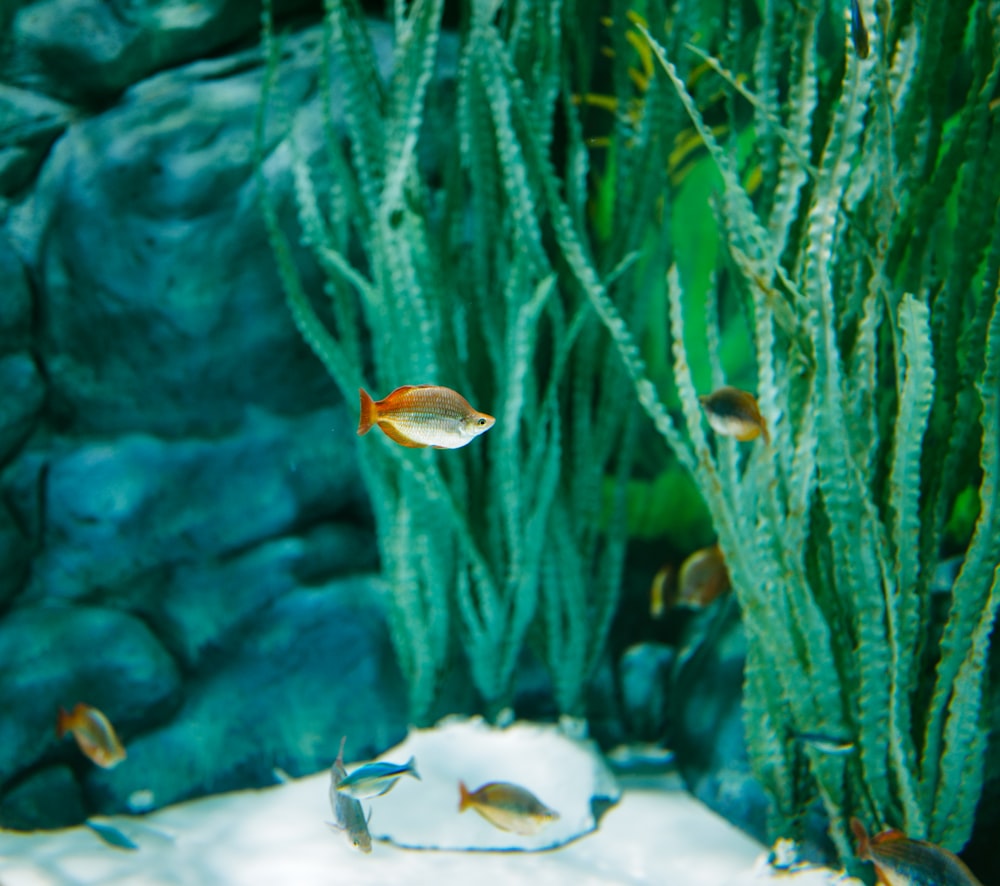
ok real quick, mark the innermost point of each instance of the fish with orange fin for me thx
(507, 806)
(93, 733)
(734, 413)
(900, 861)
(424, 415)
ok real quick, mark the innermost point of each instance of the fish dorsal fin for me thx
(395, 434)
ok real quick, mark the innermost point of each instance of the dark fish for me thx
(424, 415)
(859, 33)
(348, 816)
(900, 861)
(735, 413)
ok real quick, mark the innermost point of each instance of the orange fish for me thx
(507, 806)
(735, 413)
(663, 591)
(424, 415)
(900, 861)
(93, 733)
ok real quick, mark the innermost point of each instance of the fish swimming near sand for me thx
(734, 413)
(900, 861)
(376, 779)
(348, 816)
(94, 734)
(507, 806)
(424, 415)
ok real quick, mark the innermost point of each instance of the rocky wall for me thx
(184, 540)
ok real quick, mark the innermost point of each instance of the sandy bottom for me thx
(657, 834)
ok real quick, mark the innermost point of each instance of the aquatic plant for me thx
(869, 271)
(458, 282)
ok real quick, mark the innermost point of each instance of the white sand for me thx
(656, 834)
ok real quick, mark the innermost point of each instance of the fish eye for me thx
(481, 422)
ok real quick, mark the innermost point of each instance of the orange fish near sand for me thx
(900, 861)
(424, 415)
(507, 806)
(735, 413)
(93, 733)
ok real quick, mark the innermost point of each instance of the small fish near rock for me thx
(348, 816)
(417, 416)
(94, 734)
(900, 861)
(507, 806)
(376, 779)
(734, 413)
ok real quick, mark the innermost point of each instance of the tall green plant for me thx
(503, 541)
(877, 330)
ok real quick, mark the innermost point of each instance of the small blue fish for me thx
(111, 835)
(376, 779)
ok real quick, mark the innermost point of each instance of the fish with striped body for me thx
(507, 806)
(424, 415)
(348, 816)
(94, 734)
(900, 861)
(376, 779)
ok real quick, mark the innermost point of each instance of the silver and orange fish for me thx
(93, 733)
(900, 861)
(348, 816)
(424, 415)
(507, 806)
(734, 413)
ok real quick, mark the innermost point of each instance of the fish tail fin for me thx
(464, 797)
(64, 722)
(369, 413)
(861, 835)
(411, 764)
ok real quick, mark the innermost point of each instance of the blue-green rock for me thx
(314, 665)
(49, 798)
(56, 656)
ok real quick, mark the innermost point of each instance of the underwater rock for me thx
(59, 655)
(193, 618)
(15, 306)
(15, 555)
(29, 124)
(49, 798)
(706, 718)
(89, 50)
(567, 775)
(162, 308)
(644, 672)
(23, 395)
(158, 504)
(314, 665)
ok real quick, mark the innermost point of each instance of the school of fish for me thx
(506, 806)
